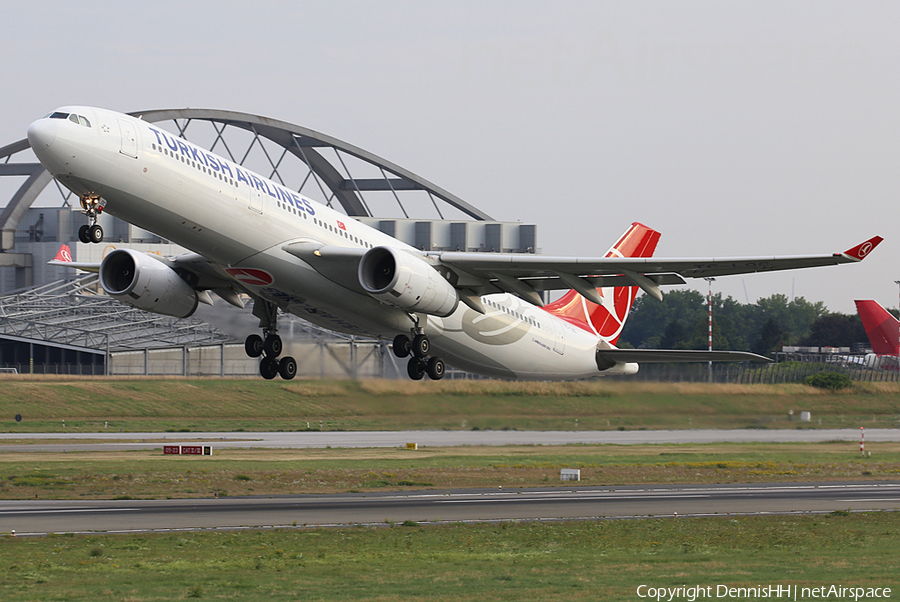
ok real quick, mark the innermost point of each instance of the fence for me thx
(362, 360)
(315, 359)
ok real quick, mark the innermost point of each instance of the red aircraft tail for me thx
(608, 319)
(881, 327)
(64, 254)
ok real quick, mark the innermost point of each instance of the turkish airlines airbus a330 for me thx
(480, 312)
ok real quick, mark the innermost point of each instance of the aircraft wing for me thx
(199, 272)
(79, 265)
(660, 356)
(64, 258)
(549, 273)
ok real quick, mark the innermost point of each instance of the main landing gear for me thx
(420, 363)
(92, 232)
(269, 347)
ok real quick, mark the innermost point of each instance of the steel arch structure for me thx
(332, 177)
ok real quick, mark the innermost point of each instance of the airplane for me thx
(883, 331)
(480, 312)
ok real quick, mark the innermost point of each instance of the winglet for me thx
(64, 254)
(859, 252)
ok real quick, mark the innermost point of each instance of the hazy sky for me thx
(734, 128)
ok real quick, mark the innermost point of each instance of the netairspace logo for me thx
(784, 592)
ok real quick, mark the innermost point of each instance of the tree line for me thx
(681, 321)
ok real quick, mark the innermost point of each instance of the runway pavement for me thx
(313, 439)
(31, 517)
(40, 516)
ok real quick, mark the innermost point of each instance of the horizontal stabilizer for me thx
(83, 266)
(64, 259)
(663, 356)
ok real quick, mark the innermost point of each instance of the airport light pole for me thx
(709, 298)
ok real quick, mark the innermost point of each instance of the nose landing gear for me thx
(270, 347)
(420, 363)
(92, 232)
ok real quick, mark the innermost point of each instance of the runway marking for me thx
(74, 511)
(886, 499)
(592, 497)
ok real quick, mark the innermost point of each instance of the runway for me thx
(40, 516)
(37, 517)
(118, 441)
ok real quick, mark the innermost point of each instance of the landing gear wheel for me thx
(435, 368)
(273, 346)
(287, 368)
(415, 368)
(83, 235)
(253, 345)
(95, 233)
(401, 345)
(421, 346)
(268, 368)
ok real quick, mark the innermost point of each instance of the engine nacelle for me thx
(138, 280)
(398, 278)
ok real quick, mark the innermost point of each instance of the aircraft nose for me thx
(42, 133)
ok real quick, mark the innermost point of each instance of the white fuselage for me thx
(238, 219)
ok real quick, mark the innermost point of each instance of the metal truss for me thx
(78, 314)
(333, 172)
(73, 314)
(338, 174)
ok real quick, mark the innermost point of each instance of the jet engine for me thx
(141, 281)
(403, 280)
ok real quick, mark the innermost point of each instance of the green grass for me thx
(602, 560)
(150, 474)
(114, 405)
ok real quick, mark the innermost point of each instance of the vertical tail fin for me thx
(64, 254)
(881, 327)
(608, 319)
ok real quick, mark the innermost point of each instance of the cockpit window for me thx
(58, 115)
(78, 119)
